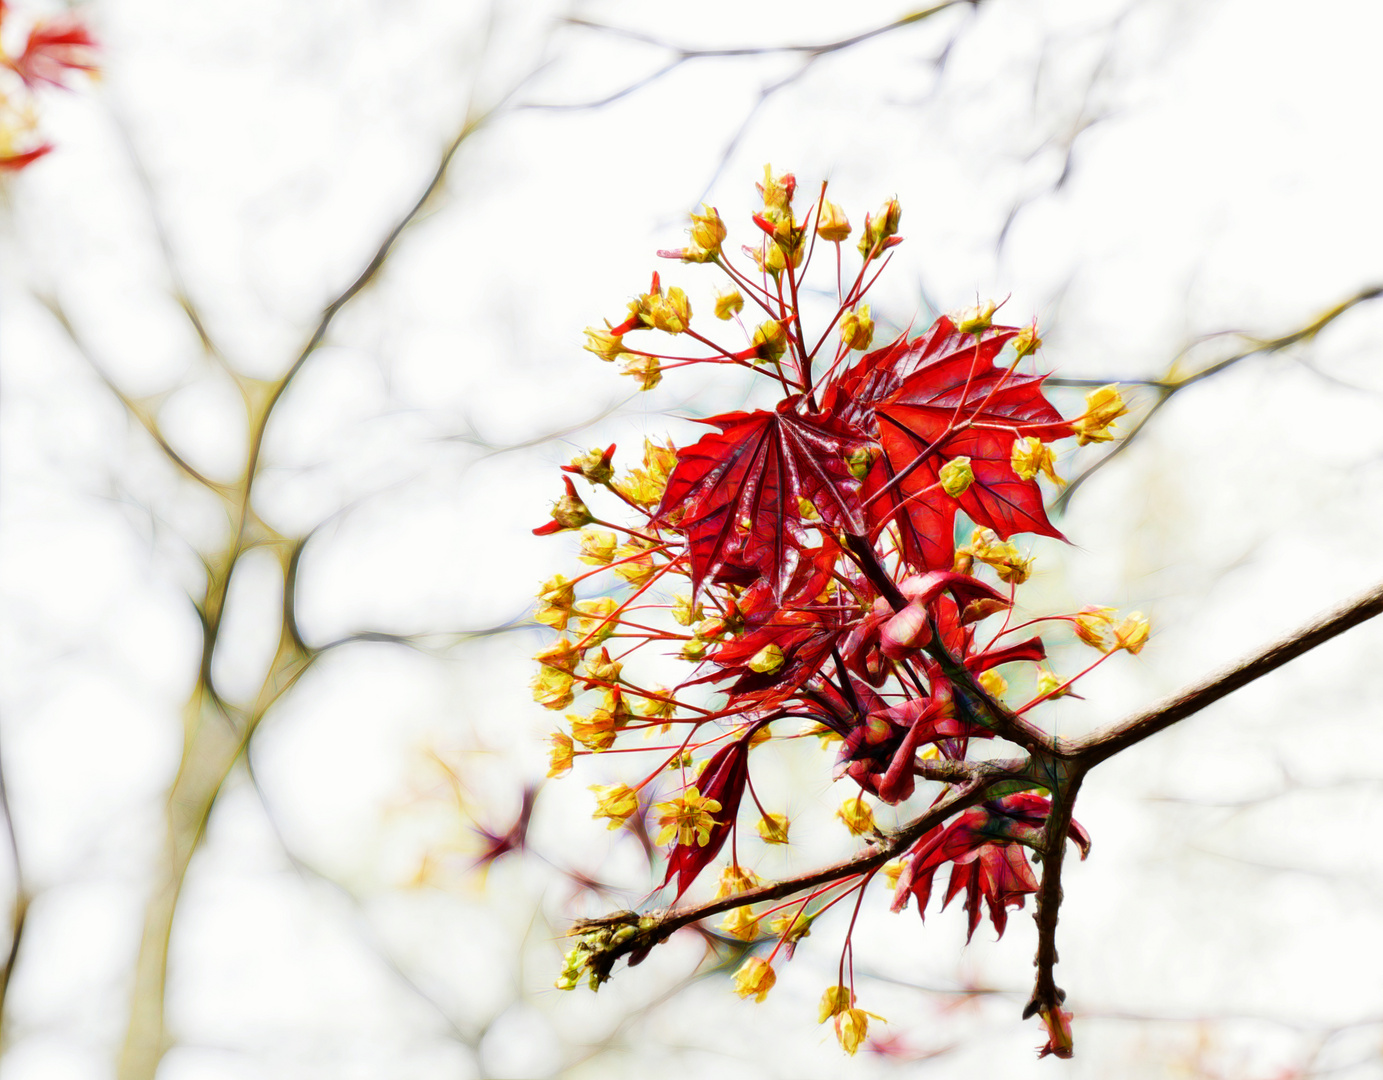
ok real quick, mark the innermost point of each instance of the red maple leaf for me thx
(945, 398)
(737, 490)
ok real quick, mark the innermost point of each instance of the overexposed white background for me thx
(1135, 175)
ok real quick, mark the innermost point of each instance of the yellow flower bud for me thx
(729, 303)
(767, 660)
(561, 755)
(604, 344)
(831, 222)
(1031, 455)
(974, 320)
(694, 650)
(1049, 682)
(600, 667)
(857, 329)
(707, 233)
(856, 815)
(561, 654)
(1102, 408)
(773, 828)
(1092, 626)
(595, 732)
(741, 923)
(755, 979)
(859, 462)
(879, 228)
(618, 802)
(834, 1001)
(852, 1028)
(792, 927)
(1027, 342)
(598, 546)
(956, 476)
(634, 563)
(770, 341)
(893, 871)
(556, 598)
(994, 684)
(735, 880)
(646, 369)
(684, 611)
(552, 688)
(596, 619)
(1132, 633)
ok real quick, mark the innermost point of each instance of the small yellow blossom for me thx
(767, 660)
(634, 562)
(807, 509)
(729, 303)
(595, 732)
(688, 818)
(684, 611)
(735, 880)
(618, 802)
(707, 234)
(773, 828)
(658, 707)
(1093, 624)
(1027, 342)
(755, 979)
(596, 619)
(694, 650)
(646, 369)
(1002, 555)
(561, 755)
(769, 341)
(741, 923)
(777, 192)
(878, 228)
(792, 926)
(975, 319)
(831, 223)
(594, 465)
(600, 667)
(956, 476)
(856, 815)
(857, 329)
(598, 546)
(562, 654)
(1132, 633)
(834, 1001)
(1031, 455)
(852, 1028)
(604, 344)
(1102, 408)
(645, 486)
(1048, 682)
(859, 462)
(994, 684)
(552, 688)
(893, 871)
(556, 598)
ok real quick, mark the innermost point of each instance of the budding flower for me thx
(976, 319)
(755, 979)
(561, 755)
(857, 329)
(834, 1001)
(1031, 455)
(729, 303)
(879, 230)
(707, 233)
(741, 923)
(594, 465)
(956, 476)
(859, 462)
(646, 369)
(856, 815)
(773, 828)
(556, 596)
(1102, 408)
(777, 193)
(767, 660)
(568, 512)
(735, 880)
(603, 343)
(618, 802)
(1092, 626)
(994, 684)
(770, 341)
(600, 667)
(1027, 342)
(552, 688)
(831, 222)
(688, 818)
(1132, 633)
(852, 1028)
(598, 546)
(1050, 683)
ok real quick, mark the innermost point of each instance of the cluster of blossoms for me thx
(49, 53)
(804, 561)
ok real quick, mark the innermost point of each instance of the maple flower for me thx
(594, 465)
(755, 979)
(688, 818)
(769, 341)
(791, 927)
(598, 546)
(1092, 626)
(1102, 408)
(773, 828)
(552, 688)
(852, 1028)
(568, 512)
(831, 223)
(1048, 682)
(1132, 633)
(708, 231)
(1027, 342)
(604, 343)
(975, 319)
(646, 369)
(880, 229)
(729, 303)
(768, 659)
(956, 476)
(596, 618)
(600, 667)
(1031, 455)
(857, 328)
(595, 732)
(561, 755)
(741, 923)
(995, 685)
(562, 654)
(857, 816)
(735, 880)
(556, 596)
(834, 1001)
(618, 802)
